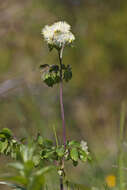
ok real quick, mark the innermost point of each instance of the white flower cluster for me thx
(58, 34)
(84, 146)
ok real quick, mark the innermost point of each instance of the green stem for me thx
(54, 130)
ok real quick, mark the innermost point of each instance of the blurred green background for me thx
(93, 97)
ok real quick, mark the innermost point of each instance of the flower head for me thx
(84, 146)
(58, 34)
(61, 26)
(48, 34)
(111, 181)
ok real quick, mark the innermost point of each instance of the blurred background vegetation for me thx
(93, 97)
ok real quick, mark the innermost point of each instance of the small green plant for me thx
(25, 176)
(32, 156)
(45, 152)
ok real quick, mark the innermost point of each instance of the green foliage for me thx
(67, 73)
(8, 145)
(31, 156)
(26, 176)
(51, 74)
(12, 185)
(73, 151)
(40, 151)
(74, 154)
(5, 133)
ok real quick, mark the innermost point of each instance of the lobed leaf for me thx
(74, 154)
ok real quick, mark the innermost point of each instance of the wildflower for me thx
(84, 146)
(111, 181)
(48, 34)
(58, 35)
(61, 26)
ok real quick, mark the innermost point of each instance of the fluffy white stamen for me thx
(58, 34)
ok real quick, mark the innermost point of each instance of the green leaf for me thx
(14, 141)
(56, 79)
(8, 150)
(27, 152)
(22, 140)
(89, 158)
(49, 154)
(28, 166)
(4, 146)
(75, 163)
(49, 81)
(2, 136)
(47, 143)
(17, 165)
(67, 73)
(50, 75)
(60, 151)
(74, 143)
(37, 180)
(82, 155)
(40, 140)
(44, 66)
(12, 185)
(1, 143)
(54, 68)
(36, 183)
(17, 179)
(13, 155)
(36, 160)
(74, 154)
(44, 170)
(7, 132)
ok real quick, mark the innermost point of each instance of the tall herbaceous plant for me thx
(35, 158)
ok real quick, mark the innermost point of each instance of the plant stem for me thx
(61, 96)
(62, 108)
(61, 183)
(54, 130)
